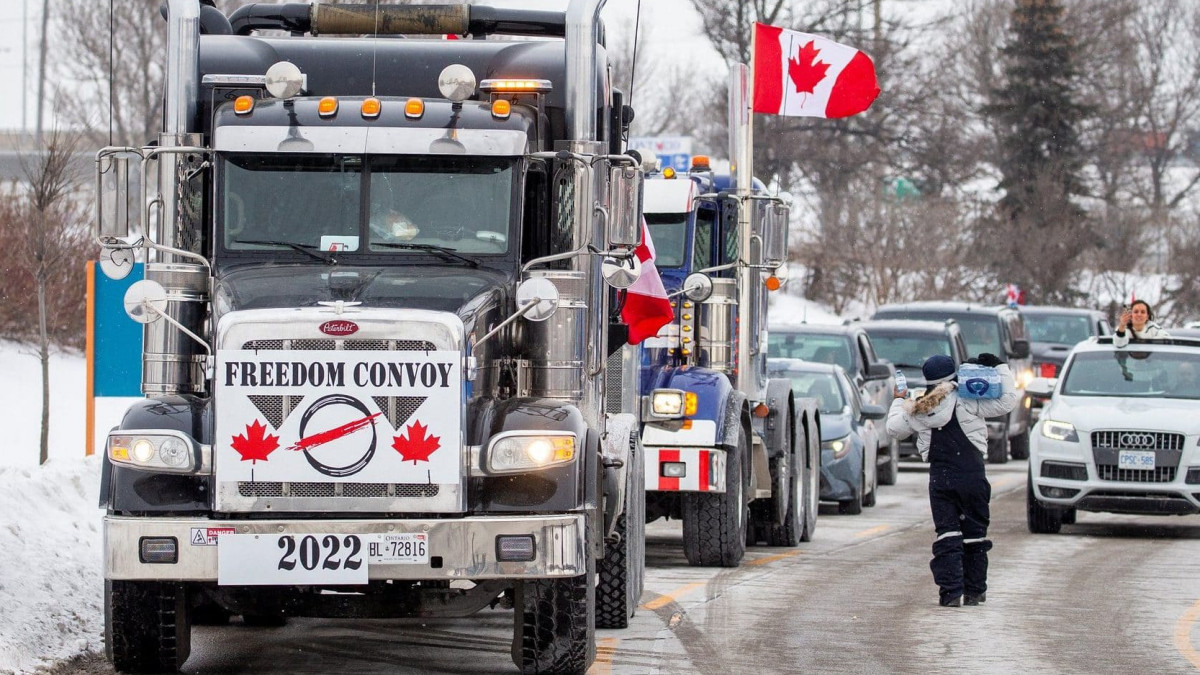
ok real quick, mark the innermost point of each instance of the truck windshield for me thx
(669, 233)
(366, 204)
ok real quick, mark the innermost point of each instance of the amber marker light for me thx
(414, 108)
(501, 108)
(761, 410)
(668, 172)
(371, 108)
(243, 105)
(772, 283)
(328, 107)
(700, 163)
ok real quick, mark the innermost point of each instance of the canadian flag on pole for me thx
(646, 307)
(804, 75)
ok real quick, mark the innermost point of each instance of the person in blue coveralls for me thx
(952, 437)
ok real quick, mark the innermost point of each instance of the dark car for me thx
(1053, 331)
(849, 346)
(994, 329)
(907, 344)
(849, 473)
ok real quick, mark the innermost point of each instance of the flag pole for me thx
(741, 162)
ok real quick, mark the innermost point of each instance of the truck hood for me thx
(1089, 413)
(462, 291)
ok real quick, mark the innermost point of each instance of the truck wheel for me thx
(620, 570)
(264, 620)
(1019, 446)
(1041, 520)
(889, 472)
(715, 525)
(788, 533)
(555, 623)
(997, 452)
(146, 628)
(812, 484)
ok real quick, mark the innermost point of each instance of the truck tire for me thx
(715, 525)
(1041, 520)
(1019, 445)
(620, 571)
(889, 471)
(146, 627)
(812, 482)
(264, 620)
(555, 624)
(788, 532)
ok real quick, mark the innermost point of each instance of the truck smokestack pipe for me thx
(362, 19)
(294, 17)
(183, 64)
(583, 16)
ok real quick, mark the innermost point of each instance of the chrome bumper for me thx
(465, 548)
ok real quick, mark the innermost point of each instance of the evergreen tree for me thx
(1039, 228)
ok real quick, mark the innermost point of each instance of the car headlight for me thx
(1059, 431)
(839, 446)
(511, 453)
(157, 450)
(1024, 378)
(672, 403)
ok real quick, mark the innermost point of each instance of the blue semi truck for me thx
(728, 451)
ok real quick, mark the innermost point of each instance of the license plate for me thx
(1135, 459)
(292, 559)
(399, 549)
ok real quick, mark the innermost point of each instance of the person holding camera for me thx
(952, 437)
(1136, 323)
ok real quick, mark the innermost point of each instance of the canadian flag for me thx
(646, 307)
(804, 75)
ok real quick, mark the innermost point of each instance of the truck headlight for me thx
(155, 450)
(672, 403)
(511, 453)
(839, 446)
(1059, 431)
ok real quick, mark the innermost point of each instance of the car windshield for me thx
(357, 203)
(909, 351)
(981, 332)
(1131, 373)
(821, 386)
(669, 233)
(1058, 328)
(819, 348)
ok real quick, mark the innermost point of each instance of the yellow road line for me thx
(1183, 634)
(668, 598)
(605, 648)
(874, 530)
(773, 558)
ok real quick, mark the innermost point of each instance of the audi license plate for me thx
(1142, 460)
(302, 559)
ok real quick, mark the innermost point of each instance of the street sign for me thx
(672, 151)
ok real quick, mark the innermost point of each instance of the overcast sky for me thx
(671, 28)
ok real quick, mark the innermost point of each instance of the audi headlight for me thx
(157, 450)
(511, 453)
(839, 446)
(1059, 431)
(672, 403)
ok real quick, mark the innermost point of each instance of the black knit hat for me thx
(938, 368)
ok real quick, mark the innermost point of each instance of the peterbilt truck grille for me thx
(376, 432)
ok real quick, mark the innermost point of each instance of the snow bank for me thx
(50, 554)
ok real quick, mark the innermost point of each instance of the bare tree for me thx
(51, 241)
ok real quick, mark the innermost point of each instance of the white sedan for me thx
(1121, 433)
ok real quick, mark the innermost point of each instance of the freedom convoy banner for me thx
(335, 428)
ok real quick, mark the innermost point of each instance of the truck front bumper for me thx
(459, 548)
(685, 469)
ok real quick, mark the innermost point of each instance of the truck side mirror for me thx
(624, 207)
(775, 234)
(1020, 348)
(118, 193)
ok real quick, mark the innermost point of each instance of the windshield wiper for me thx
(306, 249)
(445, 251)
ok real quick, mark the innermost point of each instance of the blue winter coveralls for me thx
(952, 437)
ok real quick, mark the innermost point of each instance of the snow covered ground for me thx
(50, 542)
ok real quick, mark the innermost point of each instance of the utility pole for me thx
(24, 66)
(41, 95)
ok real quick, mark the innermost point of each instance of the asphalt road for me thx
(1111, 594)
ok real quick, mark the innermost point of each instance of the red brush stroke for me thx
(333, 434)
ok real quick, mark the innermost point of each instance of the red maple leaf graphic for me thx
(805, 72)
(418, 446)
(256, 444)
